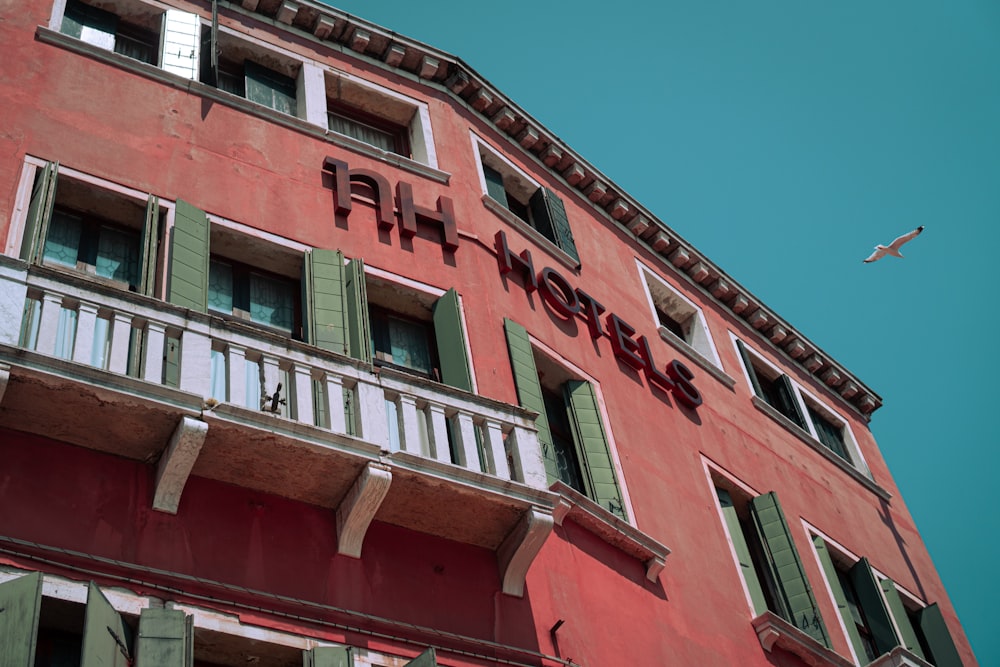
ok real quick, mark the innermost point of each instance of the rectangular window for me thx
(367, 128)
(575, 447)
(136, 38)
(768, 560)
(513, 192)
(677, 317)
(239, 290)
(238, 72)
(403, 342)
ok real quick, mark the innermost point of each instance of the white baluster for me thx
(302, 377)
(236, 362)
(371, 414)
(493, 447)
(527, 455)
(409, 426)
(335, 403)
(86, 326)
(152, 368)
(196, 363)
(437, 431)
(464, 433)
(48, 328)
(121, 329)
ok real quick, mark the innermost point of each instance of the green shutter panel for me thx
(748, 365)
(36, 226)
(870, 598)
(494, 185)
(787, 567)
(549, 214)
(943, 652)
(328, 656)
(838, 594)
(898, 611)
(789, 404)
(359, 332)
(324, 302)
(451, 341)
(267, 87)
(591, 440)
(425, 659)
(77, 17)
(20, 604)
(189, 258)
(150, 240)
(105, 637)
(166, 639)
(739, 540)
(529, 391)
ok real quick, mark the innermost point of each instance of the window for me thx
(75, 224)
(874, 615)
(136, 36)
(574, 445)
(768, 560)
(678, 318)
(237, 289)
(403, 342)
(378, 117)
(241, 71)
(806, 412)
(512, 193)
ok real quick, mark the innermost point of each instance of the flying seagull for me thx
(893, 248)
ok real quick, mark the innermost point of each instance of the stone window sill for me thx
(774, 631)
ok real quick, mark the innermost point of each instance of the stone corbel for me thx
(519, 548)
(358, 508)
(176, 463)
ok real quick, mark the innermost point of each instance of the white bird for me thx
(893, 248)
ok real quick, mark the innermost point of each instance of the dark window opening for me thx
(106, 30)
(92, 245)
(251, 294)
(566, 457)
(368, 128)
(830, 435)
(403, 342)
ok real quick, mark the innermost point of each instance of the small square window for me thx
(677, 317)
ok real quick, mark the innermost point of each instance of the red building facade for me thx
(316, 349)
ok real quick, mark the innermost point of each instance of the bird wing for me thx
(877, 255)
(899, 241)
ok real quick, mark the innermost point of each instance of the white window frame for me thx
(804, 398)
(701, 346)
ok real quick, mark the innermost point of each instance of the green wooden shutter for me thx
(104, 633)
(898, 611)
(494, 185)
(451, 341)
(189, 258)
(529, 391)
(787, 566)
(748, 365)
(267, 87)
(425, 659)
(150, 239)
(36, 226)
(826, 561)
(789, 403)
(359, 331)
(549, 215)
(77, 17)
(941, 646)
(591, 440)
(325, 307)
(328, 656)
(735, 530)
(20, 604)
(166, 639)
(870, 599)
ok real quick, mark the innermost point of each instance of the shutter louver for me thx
(591, 440)
(739, 540)
(939, 642)
(870, 599)
(494, 185)
(748, 365)
(189, 258)
(20, 605)
(529, 391)
(166, 639)
(150, 241)
(181, 44)
(451, 341)
(105, 638)
(789, 404)
(359, 333)
(324, 300)
(898, 611)
(549, 216)
(830, 570)
(328, 656)
(787, 567)
(36, 228)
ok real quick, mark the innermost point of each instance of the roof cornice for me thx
(374, 44)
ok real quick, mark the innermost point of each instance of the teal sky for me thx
(784, 139)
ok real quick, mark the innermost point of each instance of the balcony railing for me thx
(256, 408)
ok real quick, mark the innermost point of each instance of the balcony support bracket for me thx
(520, 547)
(176, 463)
(358, 508)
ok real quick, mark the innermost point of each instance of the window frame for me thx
(802, 401)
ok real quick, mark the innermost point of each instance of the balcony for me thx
(194, 394)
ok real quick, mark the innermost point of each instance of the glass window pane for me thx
(220, 287)
(271, 302)
(62, 245)
(362, 132)
(219, 377)
(65, 333)
(118, 255)
(409, 345)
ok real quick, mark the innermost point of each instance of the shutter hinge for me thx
(121, 645)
